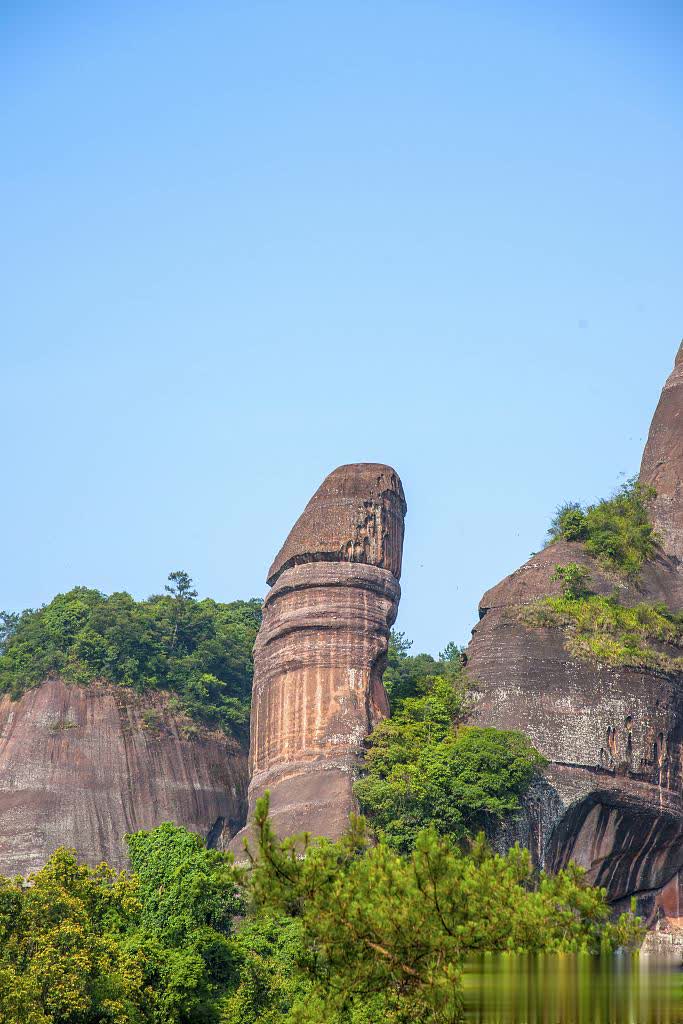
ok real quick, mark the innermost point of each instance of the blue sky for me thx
(244, 243)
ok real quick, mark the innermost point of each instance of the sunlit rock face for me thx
(662, 465)
(321, 651)
(82, 765)
(611, 796)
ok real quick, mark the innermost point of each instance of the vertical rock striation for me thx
(321, 651)
(613, 734)
(82, 765)
(662, 465)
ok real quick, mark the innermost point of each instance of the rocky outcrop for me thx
(81, 766)
(662, 465)
(611, 796)
(321, 650)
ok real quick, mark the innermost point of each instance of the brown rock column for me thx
(662, 465)
(321, 651)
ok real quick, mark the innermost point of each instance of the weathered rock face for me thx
(662, 465)
(611, 795)
(81, 766)
(321, 651)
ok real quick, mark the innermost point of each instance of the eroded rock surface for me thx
(321, 650)
(662, 465)
(611, 795)
(81, 766)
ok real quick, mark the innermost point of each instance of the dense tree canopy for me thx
(348, 933)
(387, 935)
(406, 673)
(199, 650)
(89, 946)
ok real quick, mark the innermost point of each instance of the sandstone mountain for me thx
(321, 650)
(611, 795)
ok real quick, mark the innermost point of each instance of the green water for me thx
(568, 989)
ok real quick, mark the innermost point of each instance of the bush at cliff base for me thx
(424, 769)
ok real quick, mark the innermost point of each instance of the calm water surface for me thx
(568, 989)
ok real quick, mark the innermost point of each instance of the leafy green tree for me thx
(271, 963)
(87, 946)
(63, 958)
(421, 770)
(8, 627)
(407, 675)
(188, 900)
(180, 586)
(183, 887)
(569, 523)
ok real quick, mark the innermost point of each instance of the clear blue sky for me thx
(244, 243)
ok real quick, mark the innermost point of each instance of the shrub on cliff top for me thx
(199, 650)
(616, 531)
(574, 579)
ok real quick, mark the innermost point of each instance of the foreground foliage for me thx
(601, 629)
(390, 933)
(616, 531)
(424, 769)
(87, 946)
(347, 933)
(199, 650)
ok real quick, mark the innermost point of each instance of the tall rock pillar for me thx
(321, 651)
(662, 465)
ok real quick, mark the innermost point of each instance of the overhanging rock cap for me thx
(356, 515)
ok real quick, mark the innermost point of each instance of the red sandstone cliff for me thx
(81, 766)
(611, 795)
(662, 465)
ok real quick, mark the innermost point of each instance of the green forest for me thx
(374, 927)
(350, 933)
(199, 651)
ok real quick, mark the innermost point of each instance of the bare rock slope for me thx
(611, 795)
(81, 766)
(321, 650)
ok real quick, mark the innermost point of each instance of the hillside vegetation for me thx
(200, 651)
(601, 629)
